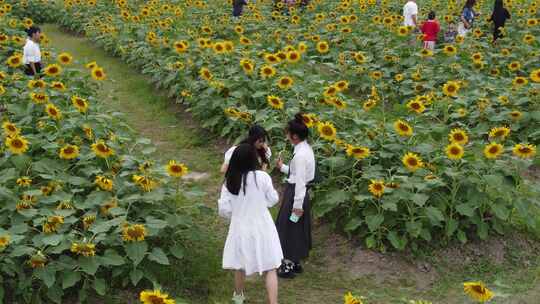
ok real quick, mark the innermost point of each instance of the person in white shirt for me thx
(252, 244)
(32, 52)
(294, 217)
(410, 13)
(257, 137)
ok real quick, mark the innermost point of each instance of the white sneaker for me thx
(238, 299)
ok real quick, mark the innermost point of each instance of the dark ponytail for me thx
(298, 127)
(257, 133)
(32, 30)
(243, 161)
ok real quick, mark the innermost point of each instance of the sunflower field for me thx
(414, 146)
(83, 206)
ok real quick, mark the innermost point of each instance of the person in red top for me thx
(430, 29)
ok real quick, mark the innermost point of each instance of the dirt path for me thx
(336, 265)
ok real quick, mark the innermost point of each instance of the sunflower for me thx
(102, 150)
(327, 130)
(145, 183)
(369, 104)
(57, 85)
(493, 150)
(37, 84)
(450, 50)
(155, 297)
(524, 150)
(323, 47)
(285, 82)
(38, 260)
(88, 221)
(342, 85)
(477, 57)
(514, 66)
(134, 233)
(451, 88)
(10, 128)
(293, 56)
(14, 61)
(330, 91)
(4, 241)
(104, 183)
(84, 249)
(358, 152)
(69, 152)
(360, 57)
(528, 38)
(376, 187)
(53, 111)
(412, 161)
(180, 46)
(65, 58)
(416, 106)
(515, 115)
(79, 103)
(206, 74)
(271, 58)
(219, 48)
(267, 71)
(175, 169)
(399, 77)
(98, 74)
(426, 53)
(39, 98)
(53, 224)
(53, 70)
(247, 65)
(403, 31)
(17, 144)
(309, 120)
(477, 291)
(376, 75)
(458, 136)
(24, 181)
(403, 128)
(499, 132)
(519, 81)
(91, 65)
(454, 151)
(275, 102)
(535, 75)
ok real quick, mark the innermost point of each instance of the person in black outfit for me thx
(238, 7)
(498, 17)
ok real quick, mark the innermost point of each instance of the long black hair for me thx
(470, 4)
(243, 161)
(32, 30)
(298, 127)
(255, 134)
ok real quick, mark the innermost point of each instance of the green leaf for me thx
(462, 237)
(100, 287)
(353, 224)
(482, 230)
(465, 209)
(89, 264)
(414, 228)
(370, 242)
(177, 251)
(135, 276)
(157, 255)
(47, 275)
(374, 221)
(500, 210)
(55, 293)
(112, 258)
(53, 239)
(136, 251)
(70, 278)
(451, 227)
(398, 242)
(434, 215)
(420, 199)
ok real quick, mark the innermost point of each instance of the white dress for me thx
(252, 242)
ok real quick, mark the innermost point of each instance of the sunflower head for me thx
(458, 136)
(327, 131)
(412, 161)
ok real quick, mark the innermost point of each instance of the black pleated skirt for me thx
(295, 238)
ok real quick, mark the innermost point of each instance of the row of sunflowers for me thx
(414, 145)
(83, 209)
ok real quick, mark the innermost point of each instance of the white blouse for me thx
(301, 171)
(31, 52)
(252, 243)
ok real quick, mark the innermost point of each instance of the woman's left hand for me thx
(298, 212)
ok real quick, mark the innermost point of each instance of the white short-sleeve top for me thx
(409, 10)
(230, 152)
(31, 52)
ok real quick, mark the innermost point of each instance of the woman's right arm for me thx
(270, 192)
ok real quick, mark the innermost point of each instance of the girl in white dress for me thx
(258, 138)
(252, 244)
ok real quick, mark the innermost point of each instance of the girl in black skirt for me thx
(238, 7)
(498, 17)
(294, 218)
(32, 52)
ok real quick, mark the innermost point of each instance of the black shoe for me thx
(297, 268)
(285, 271)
